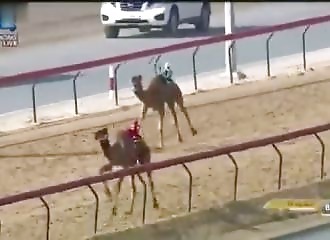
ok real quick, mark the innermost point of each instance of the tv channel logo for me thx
(7, 19)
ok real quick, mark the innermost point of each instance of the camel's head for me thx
(137, 83)
(101, 135)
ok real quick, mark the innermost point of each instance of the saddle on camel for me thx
(128, 150)
(159, 92)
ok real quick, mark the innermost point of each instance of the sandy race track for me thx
(58, 153)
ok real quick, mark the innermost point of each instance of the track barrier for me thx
(118, 61)
(226, 150)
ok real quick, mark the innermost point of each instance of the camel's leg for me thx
(161, 127)
(172, 109)
(144, 112)
(133, 194)
(185, 112)
(142, 180)
(152, 188)
(143, 116)
(144, 160)
(114, 209)
(106, 168)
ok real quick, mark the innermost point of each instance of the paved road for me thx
(209, 58)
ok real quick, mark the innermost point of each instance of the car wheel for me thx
(173, 22)
(204, 19)
(111, 31)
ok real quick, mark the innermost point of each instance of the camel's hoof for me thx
(108, 194)
(180, 139)
(114, 211)
(157, 149)
(130, 212)
(156, 204)
(194, 131)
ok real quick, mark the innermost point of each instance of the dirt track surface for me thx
(238, 113)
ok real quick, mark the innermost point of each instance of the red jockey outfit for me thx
(134, 131)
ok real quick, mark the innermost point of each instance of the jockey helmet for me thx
(167, 66)
(135, 124)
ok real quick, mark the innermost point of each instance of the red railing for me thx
(227, 150)
(35, 75)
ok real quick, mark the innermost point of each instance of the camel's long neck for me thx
(106, 148)
(140, 94)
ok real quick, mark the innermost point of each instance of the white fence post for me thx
(229, 29)
(230, 26)
(111, 82)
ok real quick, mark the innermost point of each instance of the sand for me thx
(59, 152)
(64, 151)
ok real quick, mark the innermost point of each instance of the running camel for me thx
(124, 152)
(159, 92)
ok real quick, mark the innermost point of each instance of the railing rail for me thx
(165, 164)
(196, 44)
(226, 150)
(21, 77)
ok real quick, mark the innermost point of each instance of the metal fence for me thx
(227, 150)
(156, 53)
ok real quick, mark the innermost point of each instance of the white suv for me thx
(146, 15)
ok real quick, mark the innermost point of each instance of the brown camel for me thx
(124, 152)
(159, 92)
